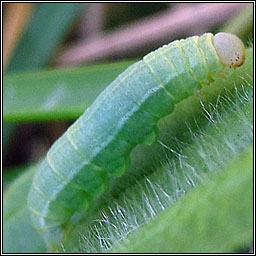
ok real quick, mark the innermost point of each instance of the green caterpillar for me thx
(79, 164)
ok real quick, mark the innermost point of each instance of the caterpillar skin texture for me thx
(79, 164)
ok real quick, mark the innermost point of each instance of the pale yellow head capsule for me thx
(230, 49)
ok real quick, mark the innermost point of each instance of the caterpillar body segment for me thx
(97, 146)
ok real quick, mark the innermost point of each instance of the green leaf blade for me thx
(55, 95)
(47, 27)
(208, 220)
(18, 234)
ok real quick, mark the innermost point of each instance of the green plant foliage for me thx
(55, 94)
(46, 29)
(216, 217)
(12, 173)
(18, 234)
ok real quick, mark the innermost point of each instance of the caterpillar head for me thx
(230, 49)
